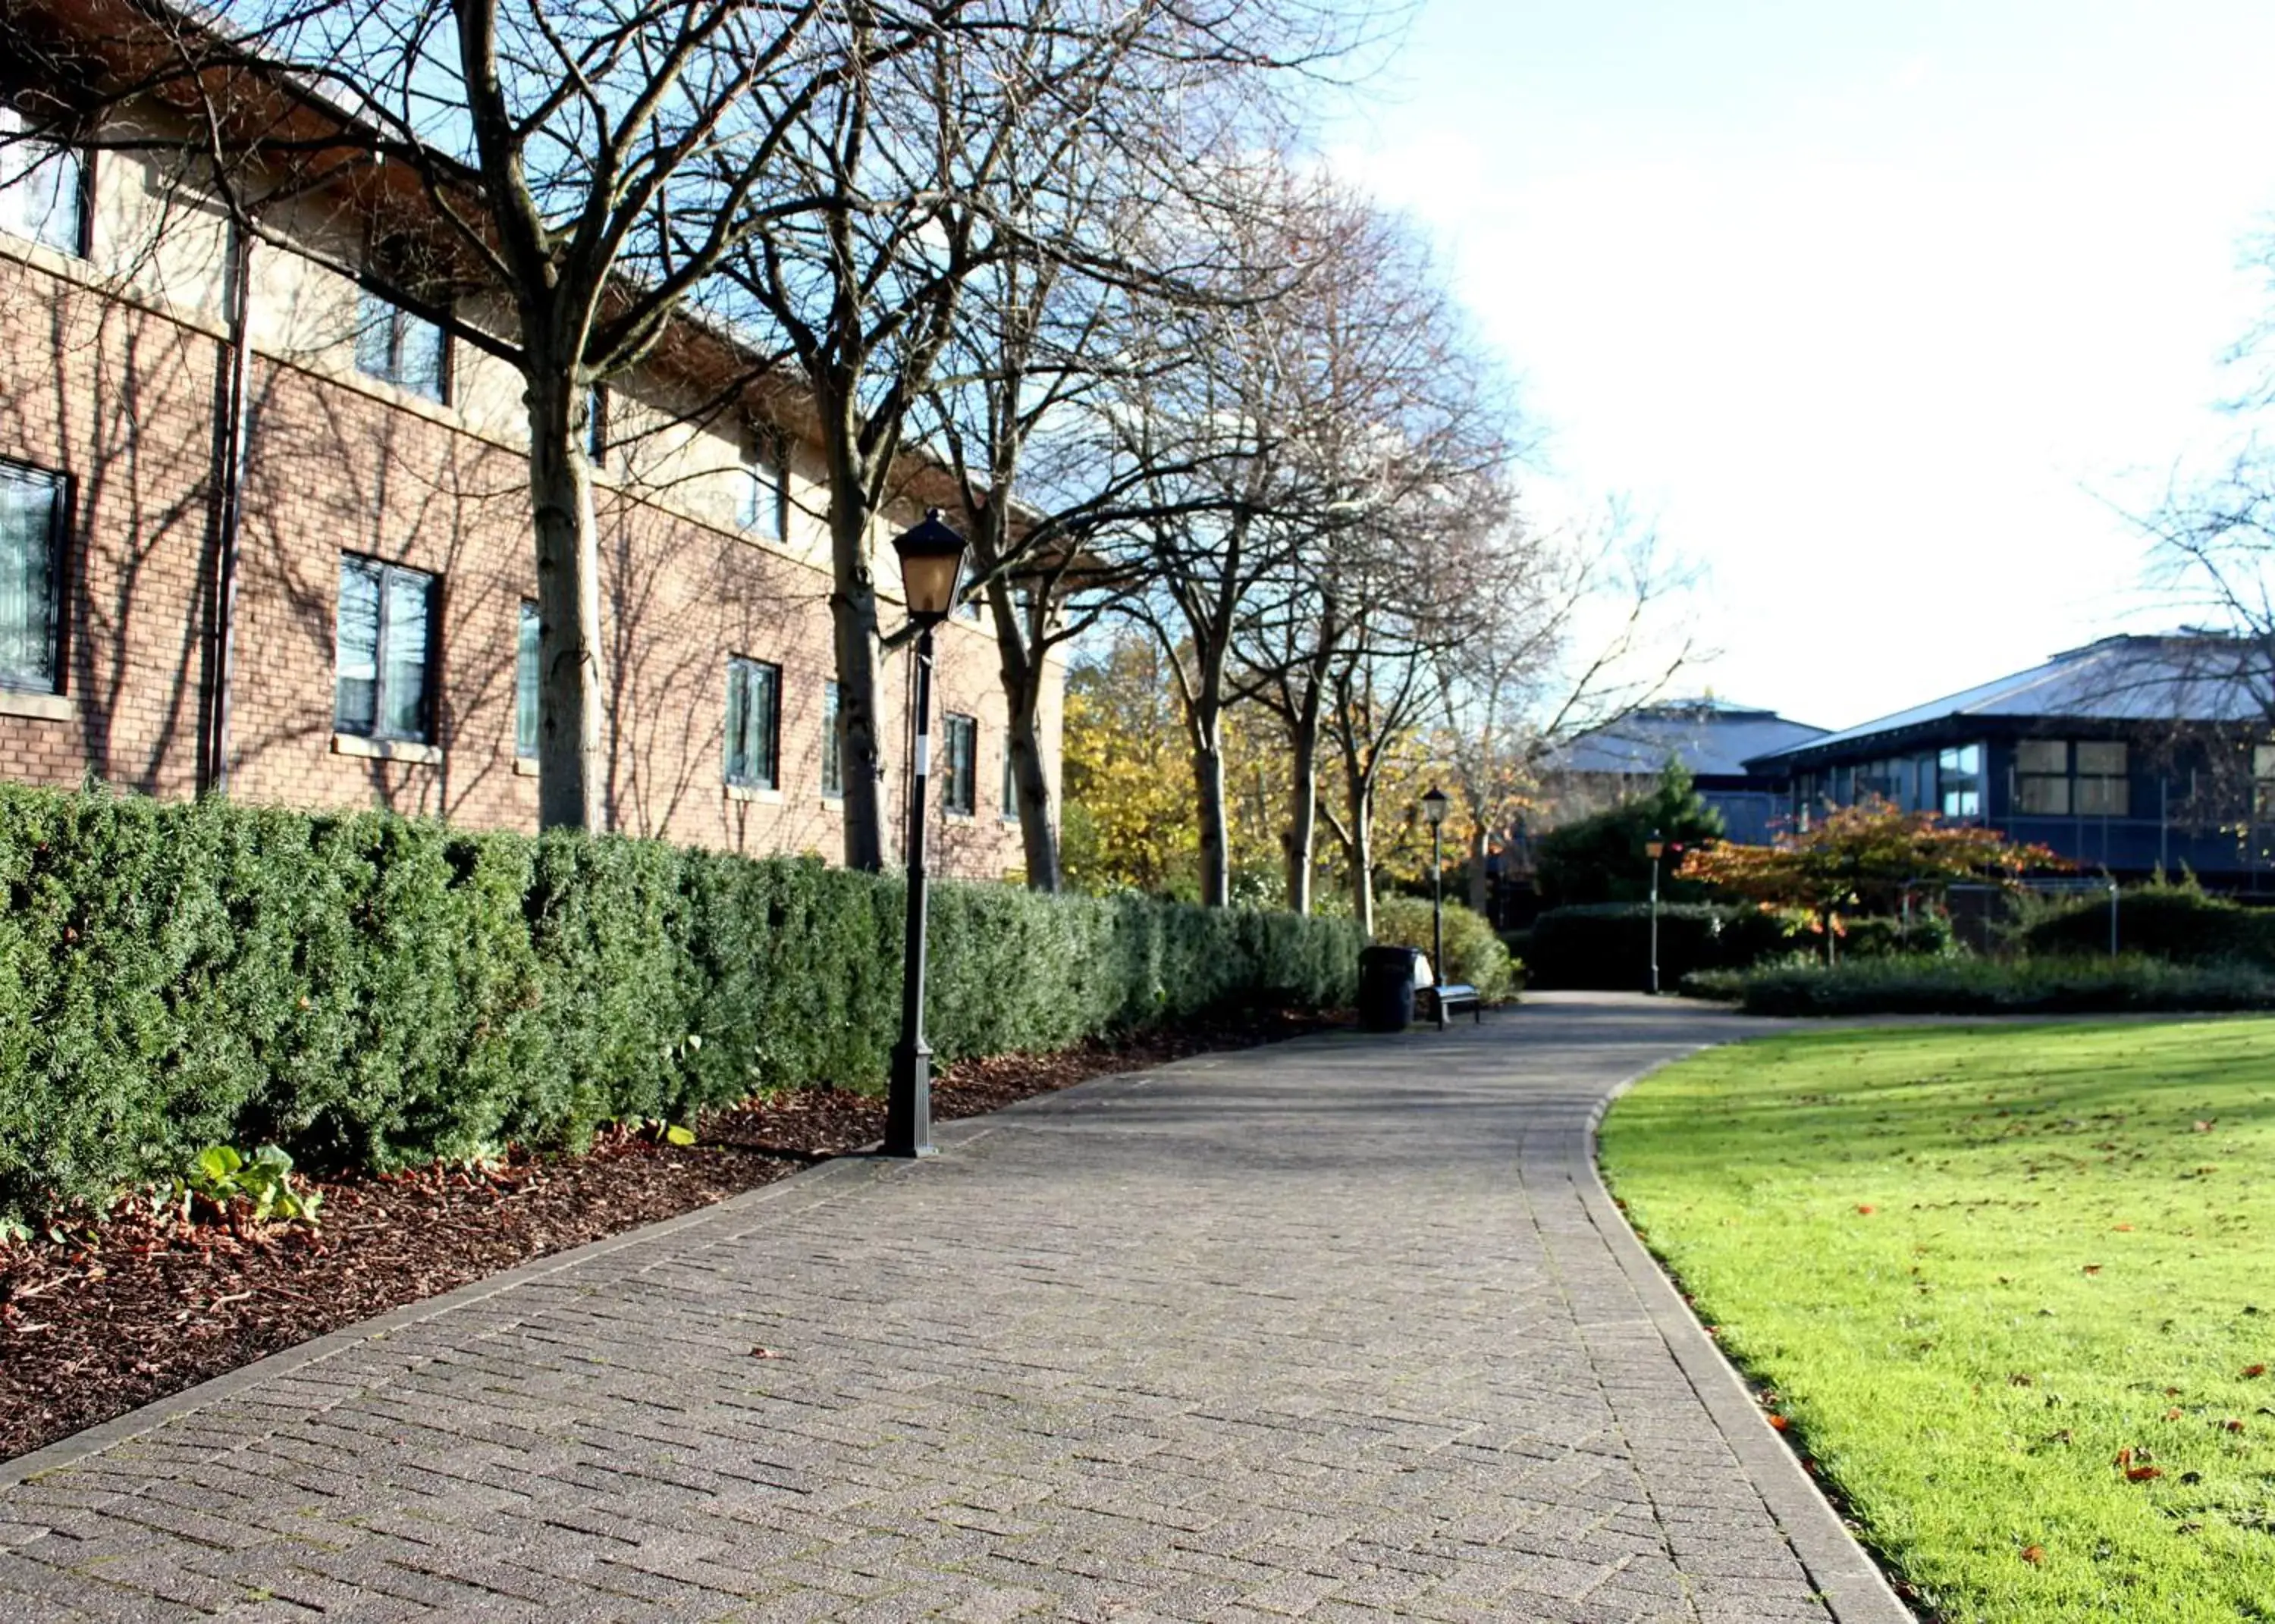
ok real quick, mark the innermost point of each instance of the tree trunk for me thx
(1360, 797)
(1302, 832)
(569, 781)
(1024, 672)
(853, 616)
(1208, 788)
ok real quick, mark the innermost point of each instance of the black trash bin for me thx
(1385, 988)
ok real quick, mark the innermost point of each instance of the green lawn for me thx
(1975, 1267)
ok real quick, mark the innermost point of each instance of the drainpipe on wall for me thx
(229, 459)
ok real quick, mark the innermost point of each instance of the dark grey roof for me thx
(1711, 737)
(2190, 677)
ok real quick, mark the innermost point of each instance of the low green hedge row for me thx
(2169, 921)
(1969, 985)
(1607, 945)
(373, 991)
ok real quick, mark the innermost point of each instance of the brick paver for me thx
(1337, 1329)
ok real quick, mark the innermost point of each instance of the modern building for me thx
(377, 646)
(2127, 755)
(1713, 739)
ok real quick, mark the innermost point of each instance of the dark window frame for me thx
(65, 490)
(739, 667)
(398, 317)
(1011, 809)
(832, 741)
(765, 468)
(959, 783)
(429, 665)
(526, 616)
(81, 158)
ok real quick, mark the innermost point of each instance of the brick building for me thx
(382, 642)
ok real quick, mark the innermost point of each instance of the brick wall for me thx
(121, 399)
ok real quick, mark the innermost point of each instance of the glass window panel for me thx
(403, 673)
(1962, 803)
(2101, 758)
(2042, 797)
(42, 190)
(355, 704)
(832, 756)
(524, 683)
(2262, 760)
(374, 336)
(738, 702)
(762, 488)
(962, 746)
(421, 349)
(2105, 798)
(1010, 780)
(766, 707)
(753, 704)
(31, 506)
(2043, 755)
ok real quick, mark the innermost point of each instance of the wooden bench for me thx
(1448, 996)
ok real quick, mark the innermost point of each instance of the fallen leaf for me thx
(2018, 1379)
(2034, 1554)
(2251, 1372)
(2203, 1128)
(2233, 1424)
(2124, 1229)
(1780, 1423)
(2142, 1474)
(2093, 1268)
(2173, 1413)
(764, 1353)
(1865, 1208)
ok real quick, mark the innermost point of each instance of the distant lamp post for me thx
(1434, 803)
(932, 558)
(1654, 848)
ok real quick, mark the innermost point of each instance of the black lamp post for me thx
(1434, 803)
(932, 558)
(1654, 849)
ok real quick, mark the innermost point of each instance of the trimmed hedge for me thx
(1607, 945)
(1965, 985)
(2176, 922)
(369, 990)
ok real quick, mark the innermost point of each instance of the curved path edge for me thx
(1852, 1583)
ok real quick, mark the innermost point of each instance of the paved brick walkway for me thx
(1340, 1329)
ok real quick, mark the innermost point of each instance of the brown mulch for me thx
(117, 1314)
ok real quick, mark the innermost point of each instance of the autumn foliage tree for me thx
(1865, 858)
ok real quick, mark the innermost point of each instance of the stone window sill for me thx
(45, 706)
(386, 749)
(754, 793)
(525, 766)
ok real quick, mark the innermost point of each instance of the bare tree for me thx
(552, 185)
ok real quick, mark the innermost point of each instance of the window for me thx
(32, 507)
(596, 426)
(397, 347)
(386, 648)
(2102, 788)
(1010, 779)
(765, 504)
(2042, 778)
(524, 684)
(960, 791)
(1959, 779)
(43, 189)
(754, 723)
(833, 747)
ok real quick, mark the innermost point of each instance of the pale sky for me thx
(1875, 308)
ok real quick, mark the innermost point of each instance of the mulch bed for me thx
(120, 1313)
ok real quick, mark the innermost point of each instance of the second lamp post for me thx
(932, 559)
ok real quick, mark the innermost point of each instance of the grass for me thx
(1974, 1268)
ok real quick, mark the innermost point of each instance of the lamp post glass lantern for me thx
(1434, 802)
(931, 560)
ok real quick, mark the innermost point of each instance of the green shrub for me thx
(1966, 986)
(2164, 920)
(1880, 936)
(1607, 945)
(1606, 858)
(1474, 955)
(374, 991)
